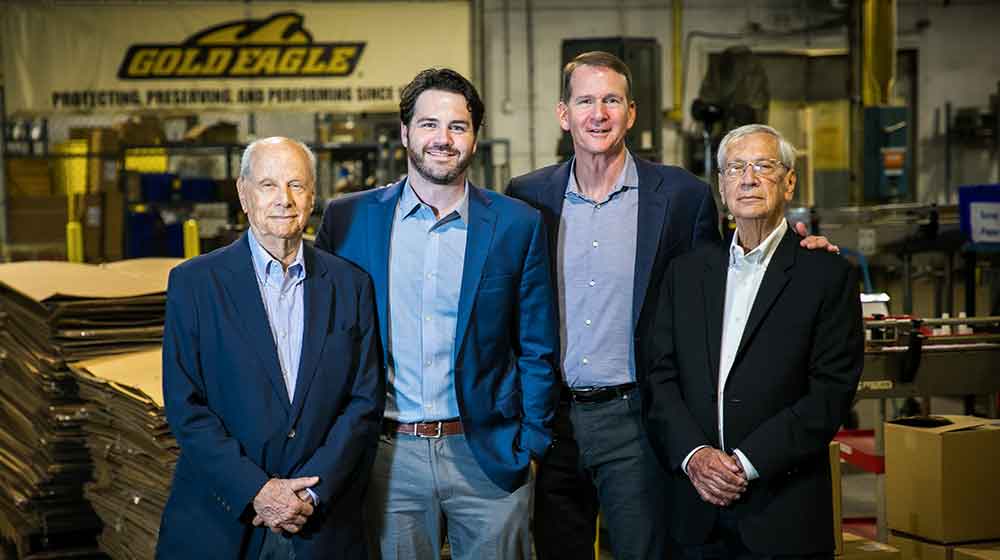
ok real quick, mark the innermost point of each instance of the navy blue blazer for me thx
(506, 336)
(676, 213)
(227, 405)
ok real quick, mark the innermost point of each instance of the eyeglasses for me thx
(761, 167)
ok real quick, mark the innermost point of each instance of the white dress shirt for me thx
(746, 271)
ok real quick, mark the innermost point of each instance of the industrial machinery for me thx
(912, 357)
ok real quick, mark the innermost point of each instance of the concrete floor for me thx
(857, 487)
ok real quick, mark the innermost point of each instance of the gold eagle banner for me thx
(333, 57)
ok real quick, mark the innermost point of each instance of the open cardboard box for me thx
(943, 478)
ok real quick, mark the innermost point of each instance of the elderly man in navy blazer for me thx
(465, 308)
(272, 382)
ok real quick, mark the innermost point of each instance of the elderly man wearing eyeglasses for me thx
(754, 358)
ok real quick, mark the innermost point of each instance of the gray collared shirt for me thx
(596, 276)
(426, 261)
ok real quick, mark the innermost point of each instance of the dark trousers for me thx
(725, 543)
(277, 546)
(601, 460)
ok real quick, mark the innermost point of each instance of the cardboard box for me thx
(102, 165)
(28, 177)
(90, 214)
(141, 130)
(913, 548)
(978, 552)
(857, 548)
(941, 478)
(114, 225)
(37, 220)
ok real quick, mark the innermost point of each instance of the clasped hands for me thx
(718, 478)
(283, 504)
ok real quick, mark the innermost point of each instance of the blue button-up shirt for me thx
(426, 260)
(282, 294)
(596, 275)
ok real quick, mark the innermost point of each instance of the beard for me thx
(438, 175)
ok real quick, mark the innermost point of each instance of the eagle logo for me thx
(275, 47)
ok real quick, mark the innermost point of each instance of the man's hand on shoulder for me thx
(717, 477)
(283, 504)
(813, 242)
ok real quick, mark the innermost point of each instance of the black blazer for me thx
(791, 385)
(676, 212)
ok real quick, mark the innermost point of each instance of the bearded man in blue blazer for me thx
(466, 312)
(272, 382)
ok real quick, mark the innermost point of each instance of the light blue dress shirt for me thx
(282, 294)
(596, 279)
(426, 260)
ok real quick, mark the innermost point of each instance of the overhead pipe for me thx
(529, 8)
(879, 48)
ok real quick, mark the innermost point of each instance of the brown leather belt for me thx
(423, 429)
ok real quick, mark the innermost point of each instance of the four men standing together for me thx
(469, 297)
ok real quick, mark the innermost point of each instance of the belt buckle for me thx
(435, 436)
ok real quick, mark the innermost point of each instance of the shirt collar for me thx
(409, 203)
(761, 254)
(627, 179)
(264, 263)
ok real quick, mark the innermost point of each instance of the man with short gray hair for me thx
(272, 382)
(752, 365)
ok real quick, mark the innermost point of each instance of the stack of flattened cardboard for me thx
(54, 313)
(131, 446)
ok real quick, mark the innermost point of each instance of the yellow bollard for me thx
(192, 242)
(74, 242)
(597, 539)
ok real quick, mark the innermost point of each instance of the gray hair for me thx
(246, 162)
(785, 148)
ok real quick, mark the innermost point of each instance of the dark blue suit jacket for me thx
(676, 213)
(228, 407)
(506, 339)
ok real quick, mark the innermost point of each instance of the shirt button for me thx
(586, 361)
(429, 406)
(427, 318)
(427, 363)
(592, 283)
(588, 321)
(596, 243)
(281, 334)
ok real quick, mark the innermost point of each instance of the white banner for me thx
(984, 217)
(287, 56)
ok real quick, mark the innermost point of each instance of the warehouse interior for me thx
(119, 162)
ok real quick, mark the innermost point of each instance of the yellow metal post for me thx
(192, 242)
(597, 539)
(74, 241)
(676, 113)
